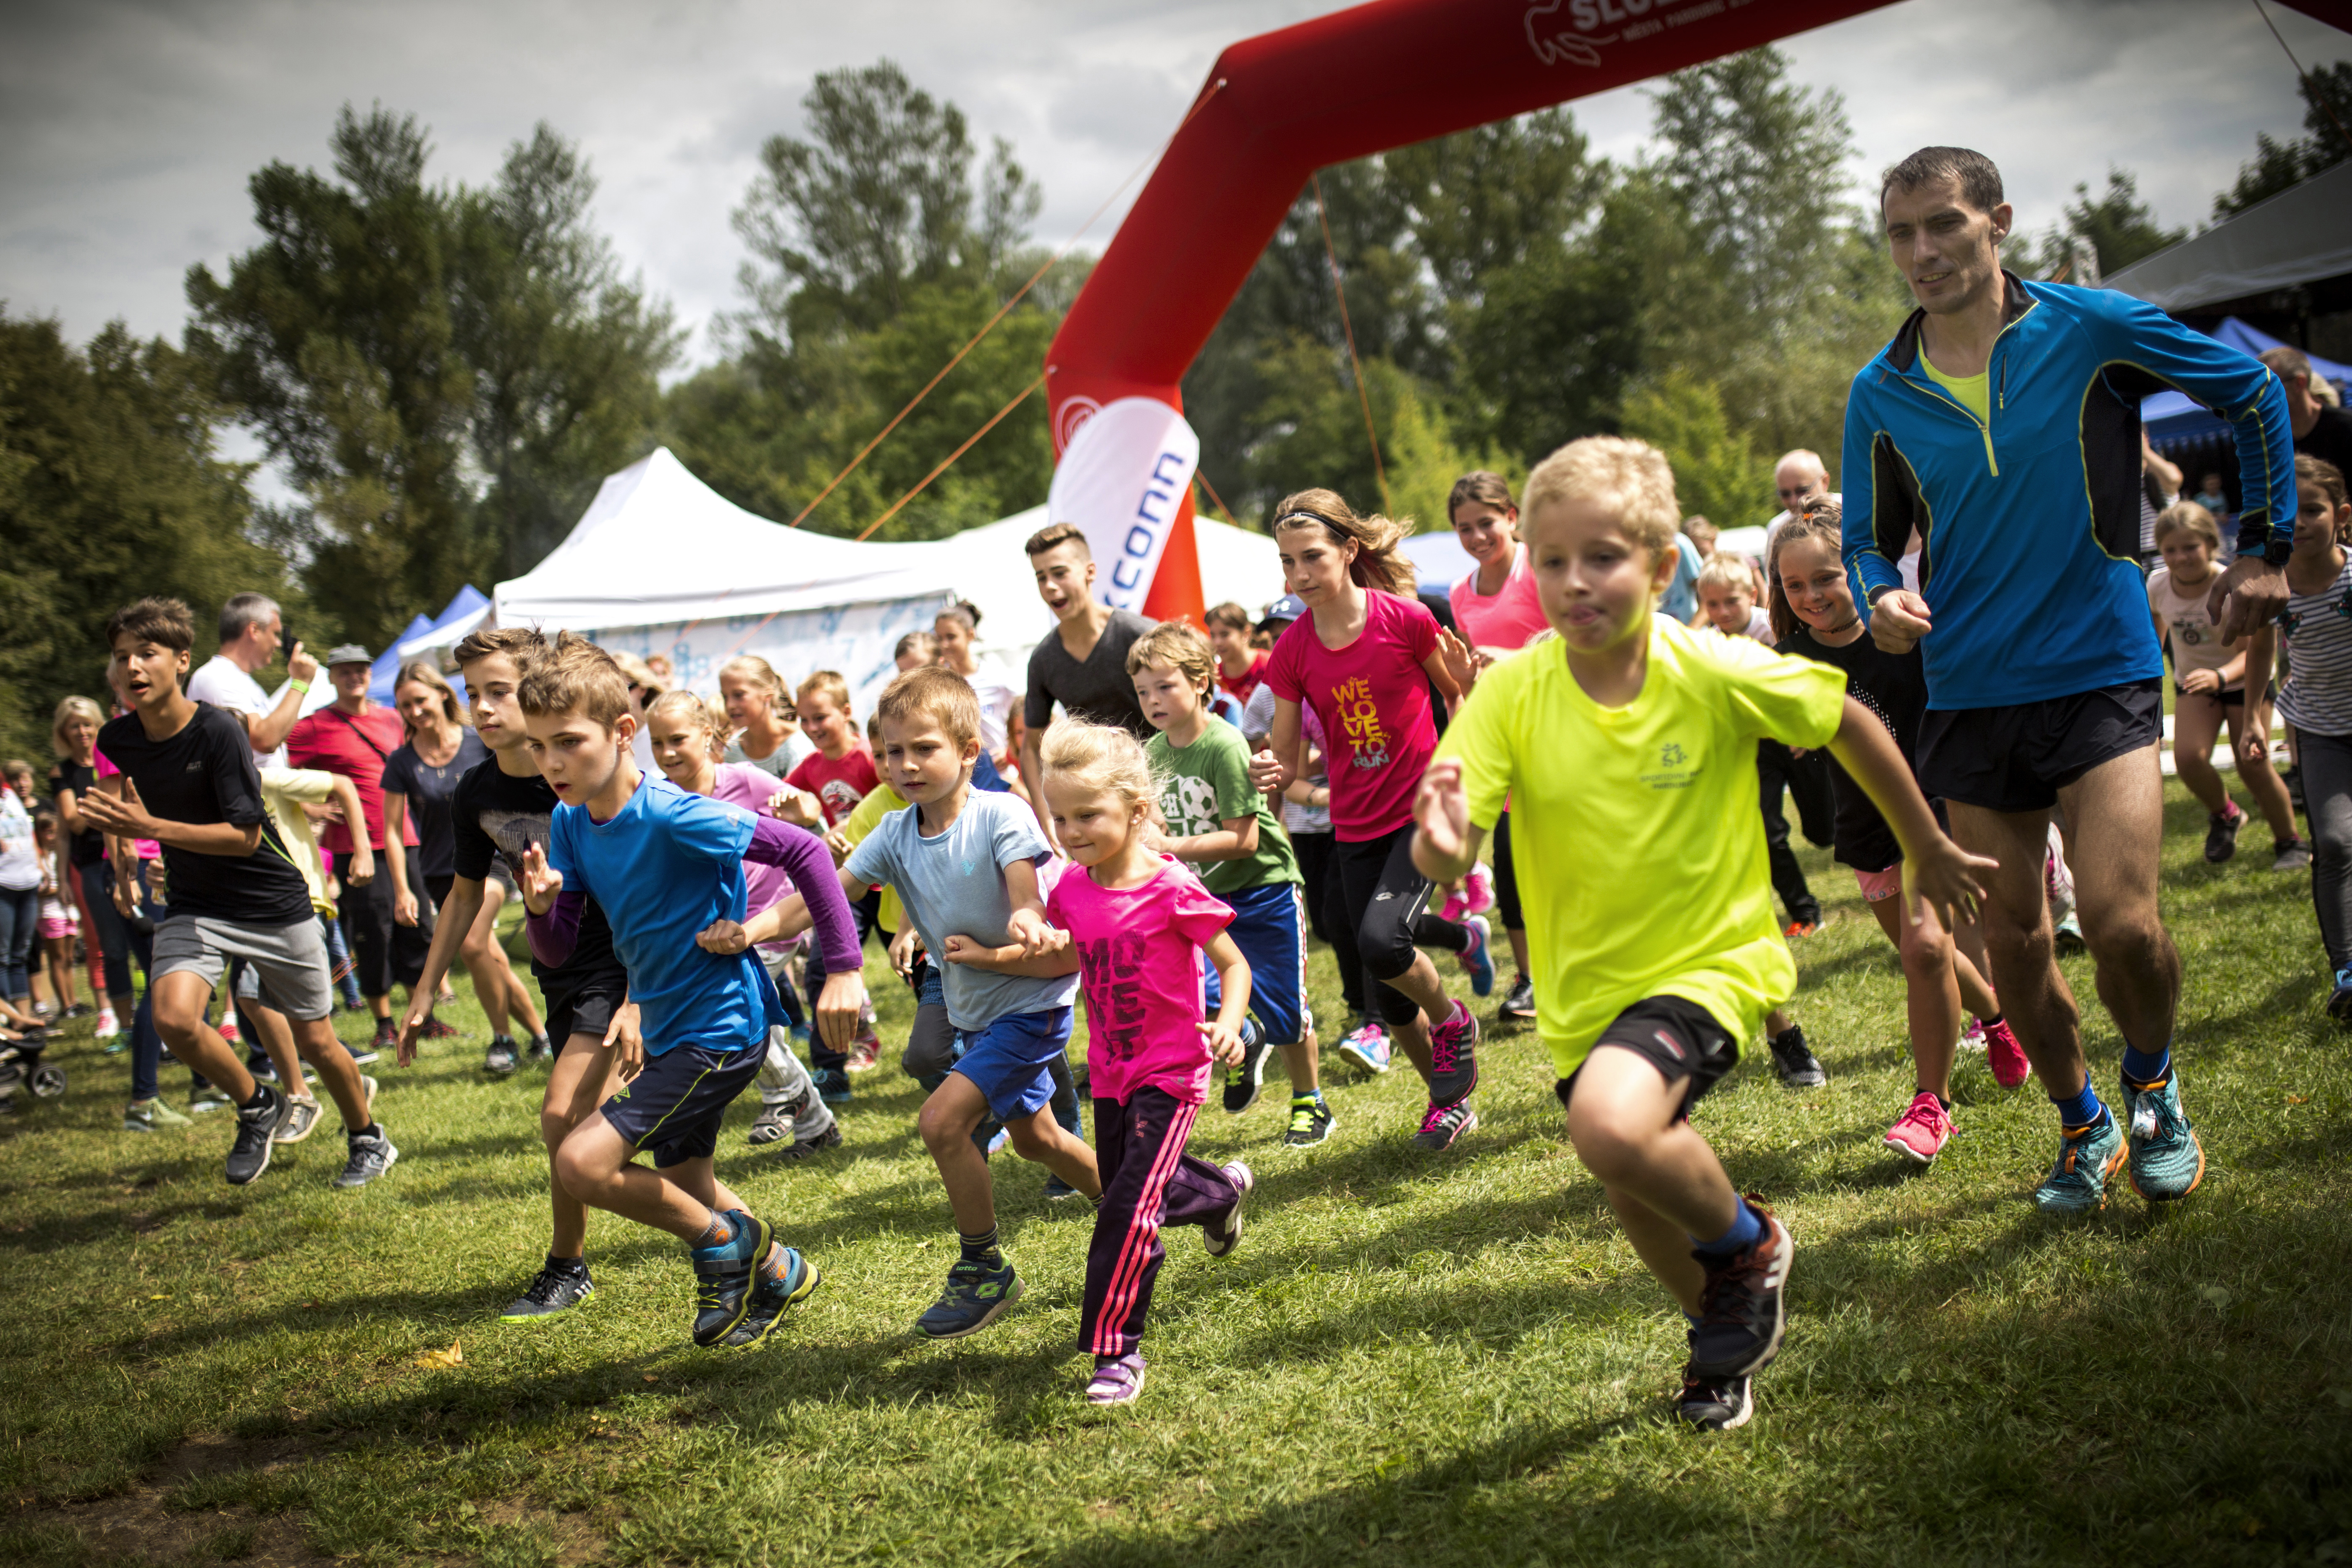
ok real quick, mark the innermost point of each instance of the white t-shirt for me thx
(20, 853)
(221, 683)
(998, 696)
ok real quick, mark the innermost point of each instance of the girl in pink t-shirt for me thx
(1364, 657)
(1139, 920)
(1495, 605)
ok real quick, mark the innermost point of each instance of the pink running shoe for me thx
(1476, 896)
(2005, 1055)
(1920, 1132)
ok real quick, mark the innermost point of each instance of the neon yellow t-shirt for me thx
(1639, 846)
(1974, 392)
(879, 802)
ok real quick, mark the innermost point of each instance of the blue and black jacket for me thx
(2030, 522)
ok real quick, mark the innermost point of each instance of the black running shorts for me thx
(2017, 758)
(675, 1106)
(583, 1007)
(1681, 1039)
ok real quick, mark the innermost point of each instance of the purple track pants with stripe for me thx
(1149, 1182)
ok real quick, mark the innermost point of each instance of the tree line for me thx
(446, 372)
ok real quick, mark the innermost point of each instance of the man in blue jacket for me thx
(2002, 424)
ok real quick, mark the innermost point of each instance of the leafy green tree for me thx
(2115, 228)
(2276, 165)
(111, 487)
(1718, 472)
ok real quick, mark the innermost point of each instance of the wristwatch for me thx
(2275, 550)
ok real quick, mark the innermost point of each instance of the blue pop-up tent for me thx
(458, 617)
(2175, 418)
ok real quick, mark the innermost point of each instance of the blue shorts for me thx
(1270, 927)
(675, 1105)
(1010, 1061)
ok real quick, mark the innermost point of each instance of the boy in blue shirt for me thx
(965, 864)
(662, 865)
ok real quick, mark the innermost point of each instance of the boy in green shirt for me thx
(1221, 822)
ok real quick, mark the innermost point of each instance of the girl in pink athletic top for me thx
(1140, 921)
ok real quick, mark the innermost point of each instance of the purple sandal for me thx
(1117, 1380)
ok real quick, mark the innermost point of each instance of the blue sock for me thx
(2145, 1068)
(2080, 1109)
(1745, 1228)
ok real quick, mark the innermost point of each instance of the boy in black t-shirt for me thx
(188, 781)
(499, 810)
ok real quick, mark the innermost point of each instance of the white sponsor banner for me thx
(1122, 477)
(857, 641)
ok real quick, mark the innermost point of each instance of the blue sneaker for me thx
(1367, 1046)
(831, 1085)
(722, 1275)
(2340, 1001)
(2077, 1184)
(794, 1284)
(2166, 1160)
(1478, 958)
(976, 1297)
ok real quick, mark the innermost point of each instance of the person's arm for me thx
(68, 813)
(1028, 925)
(115, 808)
(1224, 1032)
(347, 800)
(396, 857)
(1033, 768)
(1283, 758)
(1936, 870)
(1445, 842)
(456, 919)
(1451, 666)
(268, 731)
(780, 921)
(1897, 618)
(803, 859)
(1059, 958)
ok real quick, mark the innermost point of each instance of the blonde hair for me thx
(1823, 520)
(1378, 562)
(922, 645)
(1727, 572)
(935, 693)
(758, 672)
(69, 708)
(639, 673)
(828, 681)
(1698, 531)
(575, 676)
(697, 711)
(2189, 516)
(1100, 757)
(1631, 477)
(1177, 644)
(423, 674)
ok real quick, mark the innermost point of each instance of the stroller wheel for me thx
(48, 1083)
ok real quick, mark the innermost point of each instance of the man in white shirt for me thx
(250, 626)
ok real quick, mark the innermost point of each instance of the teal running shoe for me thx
(722, 1275)
(976, 1297)
(770, 1295)
(2167, 1160)
(2077, 1184)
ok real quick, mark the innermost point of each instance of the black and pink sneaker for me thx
(1453, 1061)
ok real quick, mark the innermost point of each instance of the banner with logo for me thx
(1126, 478)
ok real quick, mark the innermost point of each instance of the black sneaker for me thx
(722, 1275)
(1798, 1067)
(368, 1054)
(976, 1297)
(541, 1048)
(1740, 1314)
(2221, 836)
(1245, 1077)
(501, 1057)
(256, 1133)
(1453, 1055)
(558, 1288)
(770, 1295)
(802, 1148)
(1057, 1189)
(1715, 1403)
(831, 1085)
(1519, 1003)
(1442, 1124)
(372, 1154)
(1310, 1121)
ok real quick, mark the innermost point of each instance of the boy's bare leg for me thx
(275, 1038)
(577, 1084)
(954, 1111)
(1624, 1120)
(1299, 1060)
(595, 1167)
(181, 998)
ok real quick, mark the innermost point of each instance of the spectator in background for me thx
(1239, 666)
(2322, 430)
(952, 644)
(1680, 600)
(2210, 497)
(20, 897)
(767, 727)
(2159, 487)
(663, 672)
(645, 684)
(915, 651)
(73, 733)
(1796, 478)
(251, 628)
(355, 737)
(1701, 533)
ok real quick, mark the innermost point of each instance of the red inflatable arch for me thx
(1359, 81)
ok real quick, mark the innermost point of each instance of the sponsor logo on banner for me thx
(1625, 19)
(1122, 480)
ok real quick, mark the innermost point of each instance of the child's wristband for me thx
(301, 688)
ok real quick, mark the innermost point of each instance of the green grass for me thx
(1410, 1361)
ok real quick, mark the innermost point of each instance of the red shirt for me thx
(339, 742)
(1247, 681)
(1372, 698)
(837, 785)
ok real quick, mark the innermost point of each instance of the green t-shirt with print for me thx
(1203, 784)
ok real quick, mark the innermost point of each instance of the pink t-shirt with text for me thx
(1507, 619)
(1372, 697)
(1139, 965)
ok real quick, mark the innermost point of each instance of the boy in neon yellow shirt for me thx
(1633, 739)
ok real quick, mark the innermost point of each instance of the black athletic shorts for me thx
(1681, 1039)
(2017, 758)
(675, 1106)
(2228, 696)
(583, 1007)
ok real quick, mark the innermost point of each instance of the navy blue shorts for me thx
(1011, 1061)
(1270, 927)
(675, 1106)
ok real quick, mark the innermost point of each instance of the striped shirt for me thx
(2316, 633)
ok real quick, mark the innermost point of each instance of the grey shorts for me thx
(290, 961)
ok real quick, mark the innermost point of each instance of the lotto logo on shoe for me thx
(1668, 1041)
(1360, 720)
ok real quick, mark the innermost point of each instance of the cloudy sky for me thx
(128, 128)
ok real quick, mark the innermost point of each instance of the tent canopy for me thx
(2173, 417)
(2300, 236)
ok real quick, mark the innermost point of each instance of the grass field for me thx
(1410, 1361)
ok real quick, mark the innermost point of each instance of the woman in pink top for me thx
(1140, 921)
(1363, 658)
(687, 738)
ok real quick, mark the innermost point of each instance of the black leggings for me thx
(2327, 763)
(1506, 876)
(1807, 781)
(386, 951)
(1379, 898)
